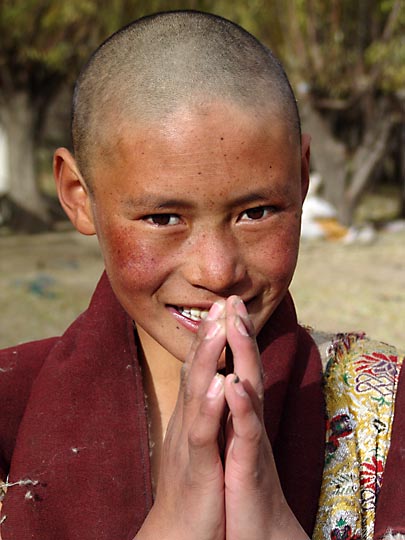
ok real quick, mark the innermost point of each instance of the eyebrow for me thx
(156, 202)
(159, 202)
(255, 196)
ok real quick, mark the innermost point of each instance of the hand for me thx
(254, 502)
(190, 494)
(195, 498)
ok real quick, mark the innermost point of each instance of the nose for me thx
(214, 261)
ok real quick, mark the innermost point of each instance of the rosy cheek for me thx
(131, 260)
(279, 257)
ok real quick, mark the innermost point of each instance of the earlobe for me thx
(72, 191)
(305, 159)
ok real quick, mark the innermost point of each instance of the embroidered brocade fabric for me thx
(361, 380)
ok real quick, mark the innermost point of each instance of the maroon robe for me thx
(390, 515)
(73, 427)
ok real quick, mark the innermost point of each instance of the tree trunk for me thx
(401, 169)
(365, 160)
(327, 154)
(346, 180)
(26, 209)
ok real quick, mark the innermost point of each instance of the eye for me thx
(256, 213)
(162, 220)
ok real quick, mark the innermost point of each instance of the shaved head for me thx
(168, 61)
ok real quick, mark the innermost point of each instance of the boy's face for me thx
(201, 206)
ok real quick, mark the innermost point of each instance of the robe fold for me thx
(74, 429)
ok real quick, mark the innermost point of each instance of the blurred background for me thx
(346, 62)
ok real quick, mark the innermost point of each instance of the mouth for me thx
(189, 317)
(193, 313)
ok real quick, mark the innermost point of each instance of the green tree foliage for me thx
(348, 56)
(42, 44)
(348, 60)
(44, 41)
(345, 46)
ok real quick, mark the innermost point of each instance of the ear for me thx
(305, 158)
(73, 193)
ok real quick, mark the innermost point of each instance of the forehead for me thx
(219, 143)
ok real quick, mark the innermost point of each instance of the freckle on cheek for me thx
(141, 265)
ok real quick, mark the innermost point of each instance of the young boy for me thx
(190, 167)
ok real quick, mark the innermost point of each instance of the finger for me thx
(245, 431)
(203, 435)
(201, 363)
(207, 331)
(246, 357)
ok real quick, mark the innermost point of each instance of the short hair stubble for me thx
(161, 62)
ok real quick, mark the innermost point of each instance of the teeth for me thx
(194, 314)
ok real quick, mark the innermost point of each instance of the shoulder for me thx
(339, 350)
(24, 360)
(361, 382)
(19, 367)
(361, 375)
(364, 359)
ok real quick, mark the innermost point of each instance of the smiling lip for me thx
(193, 313)
(190, 318)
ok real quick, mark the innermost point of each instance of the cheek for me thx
(277, 255)
(280, 262)
(131, 261)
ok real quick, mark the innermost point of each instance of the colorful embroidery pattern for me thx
(361, 380)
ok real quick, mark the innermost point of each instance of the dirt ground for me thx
(46, 280)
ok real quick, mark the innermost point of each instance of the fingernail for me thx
(241, 310)
(240, 307)
(240, 326)
(211, 329)
(215, 386)
(239, 386)
(217, 309)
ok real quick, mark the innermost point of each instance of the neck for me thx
(161, 377)
(163, 366)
